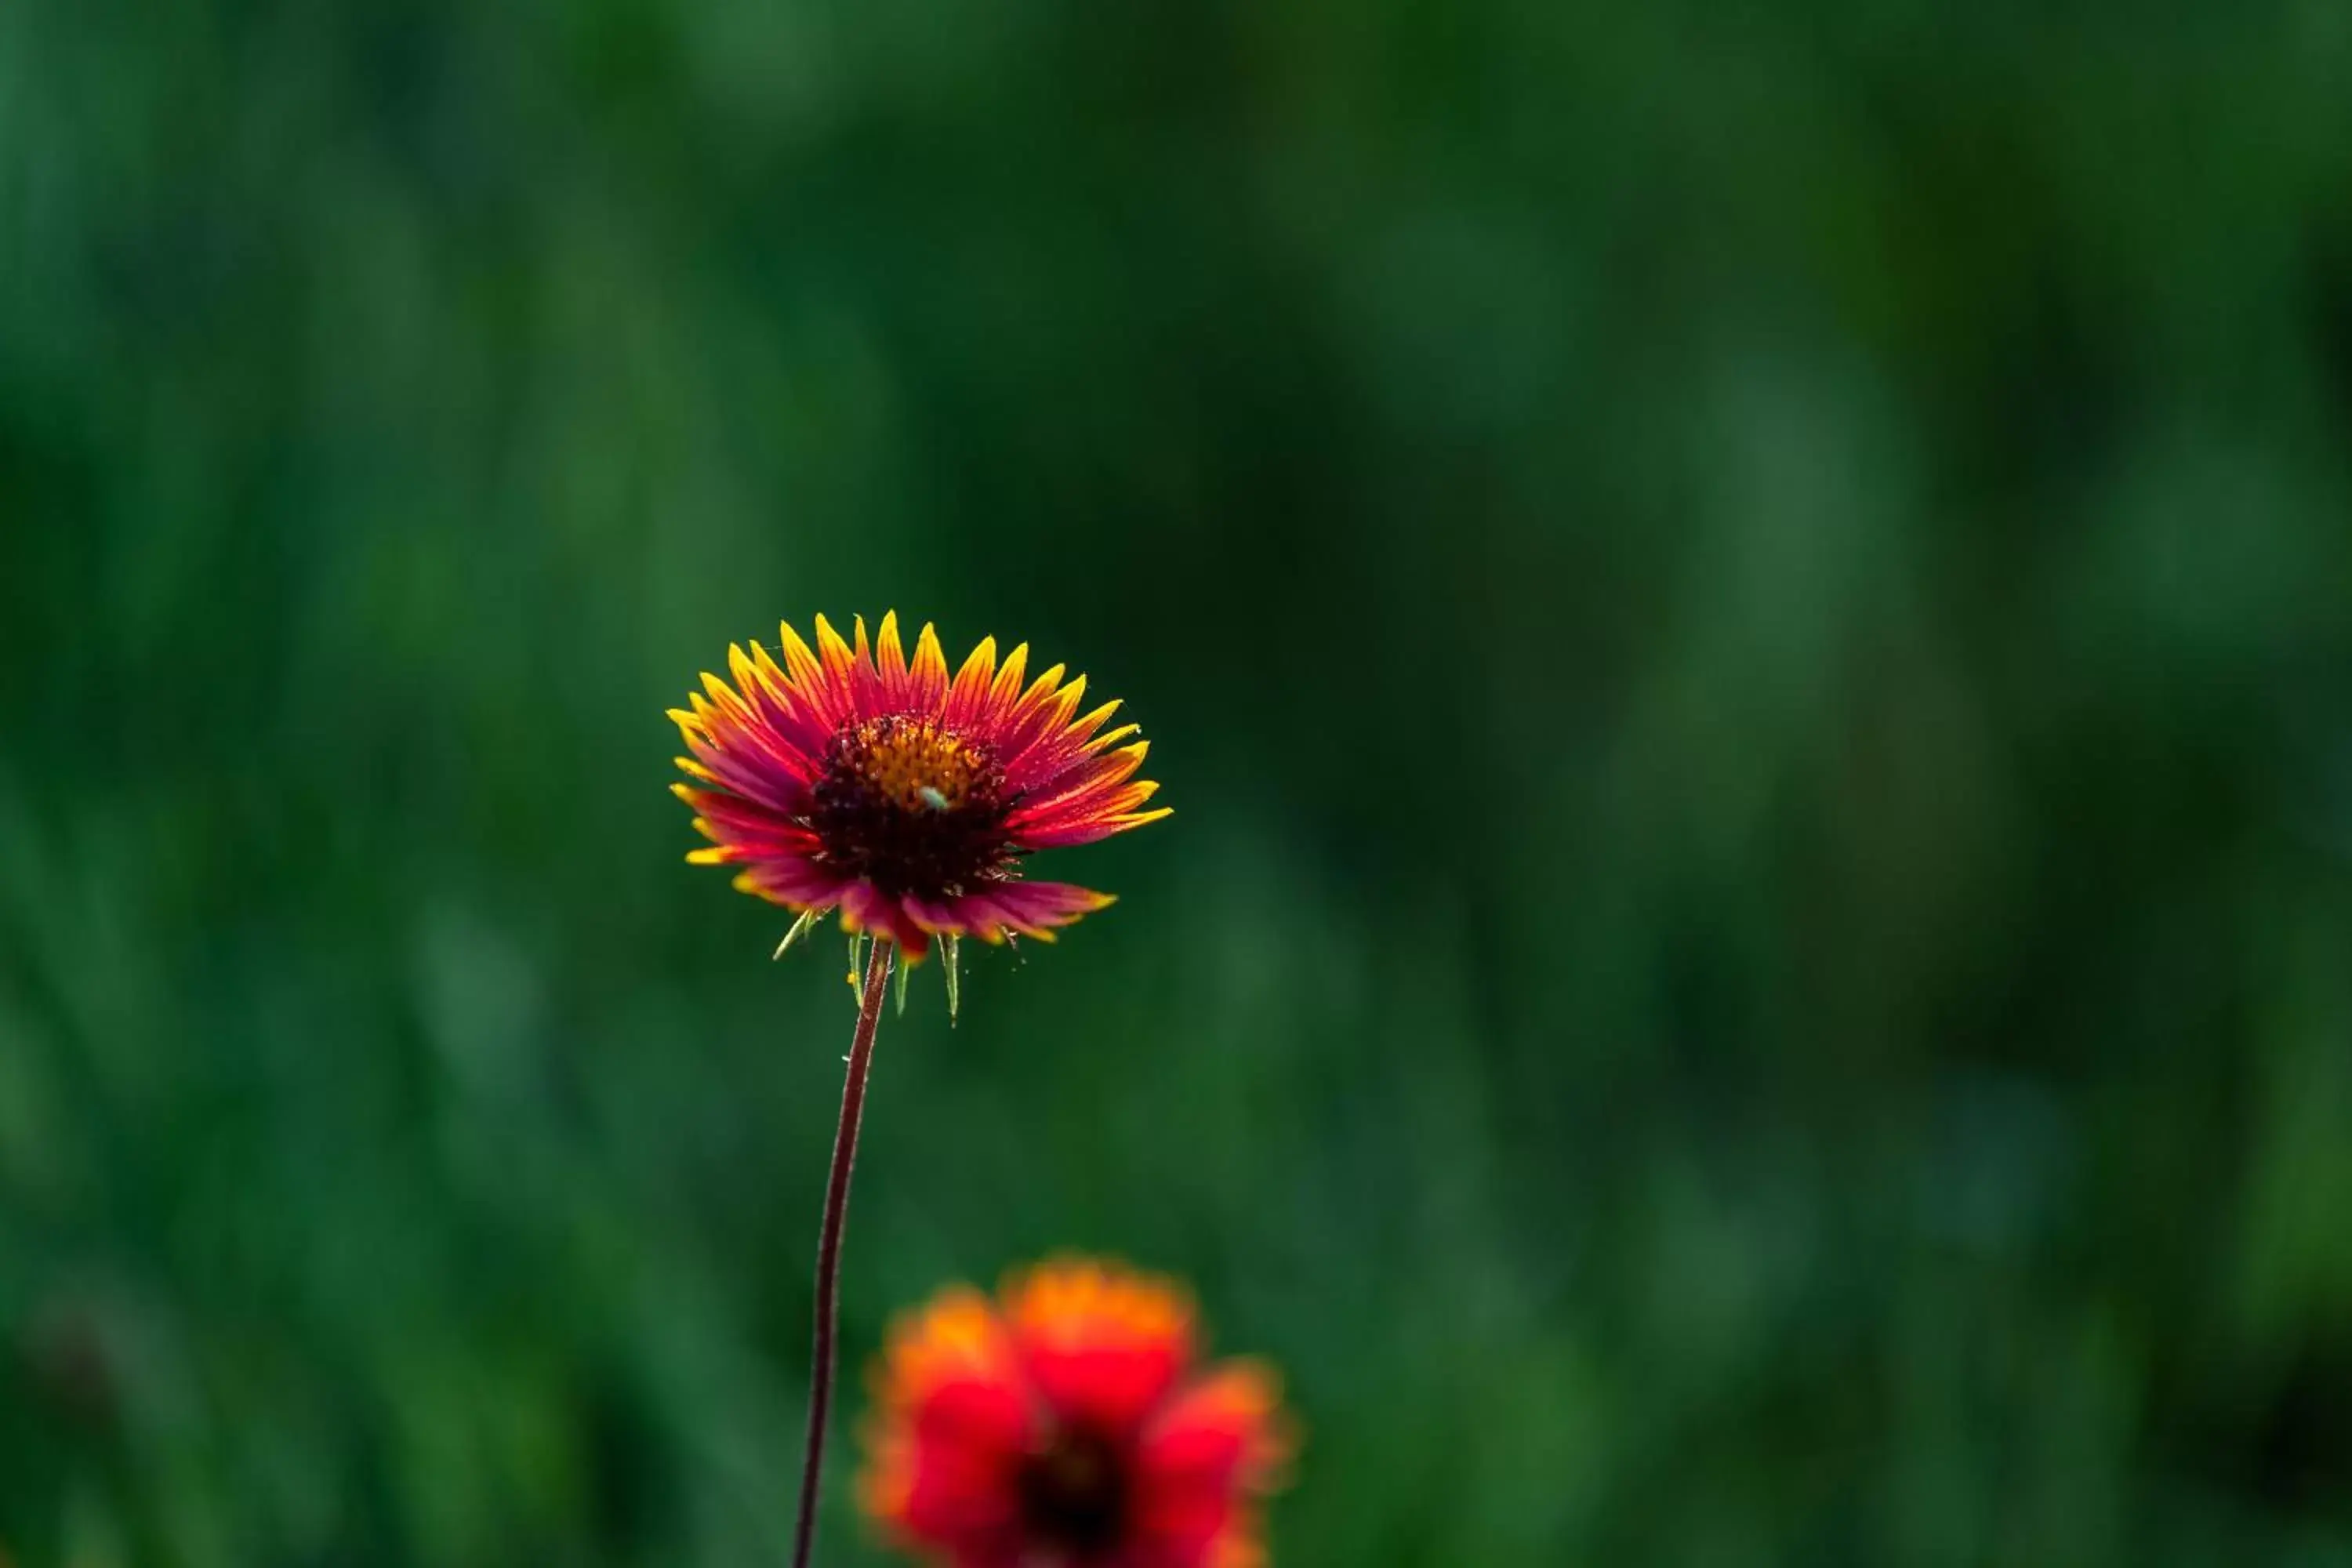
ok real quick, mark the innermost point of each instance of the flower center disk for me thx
(1073, 1494)
(911, 807)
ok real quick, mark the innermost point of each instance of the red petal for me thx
(795, 882)
(1205, 1455)
(775, 710)
(890, 657)
(953, 1422)
(974, 914)
(739, 770)
(927, 682)
(1005, 691)
(990, 918)
(1087, 830)
(842, 677)
(1100, 1344)
(1043, 904)
(737, 820)
(1041, 710)
(821, 687)
(1089, 794)
(967, 697)
(1045, 767)
(938, 919)
(865, 692)
(865, 907)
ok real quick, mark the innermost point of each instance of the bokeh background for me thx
(1748, 613)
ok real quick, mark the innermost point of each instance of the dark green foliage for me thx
(1748, 614)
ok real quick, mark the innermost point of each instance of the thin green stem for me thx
(829, 1246)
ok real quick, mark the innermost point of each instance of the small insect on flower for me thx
(851, 777)
(1067, 1424)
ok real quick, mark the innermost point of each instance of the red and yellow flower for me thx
(854, 776)
(1066, 1426)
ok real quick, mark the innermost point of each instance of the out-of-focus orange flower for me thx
(850, 776)
(1068, 1425)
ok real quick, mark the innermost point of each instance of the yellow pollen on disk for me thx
(920, 767)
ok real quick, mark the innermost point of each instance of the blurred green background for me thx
(1748, 613)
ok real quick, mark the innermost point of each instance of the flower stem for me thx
(829, 1246)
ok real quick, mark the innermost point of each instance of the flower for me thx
(1068, 1429)
(850, 776)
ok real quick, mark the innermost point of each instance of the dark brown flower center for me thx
(1074, 1495)
(912, 808)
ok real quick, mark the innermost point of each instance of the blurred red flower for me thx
(1067, 1426)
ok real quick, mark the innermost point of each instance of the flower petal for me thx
(953, 1419)
(1205, 1457)
(1101, 1345)
(1090, 829)
(817, 681)
(747, 824)
(866, 908)
(1005, 691)
(795, 883)
(927, 682)
(1045, 765)
(1114, 800)
(987, 915)
(782, 710)
(866, 681)
(1080, 790)
(938, 919)
(1043, 709)
(969, 690)
(991, 918)
(840, 664)
(890, 657)
(1039, 905)
(744, 768)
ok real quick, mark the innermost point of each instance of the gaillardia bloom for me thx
(1067, 1427)
(855, 777)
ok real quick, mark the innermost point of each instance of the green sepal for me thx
(948, 963)
(800, 928)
